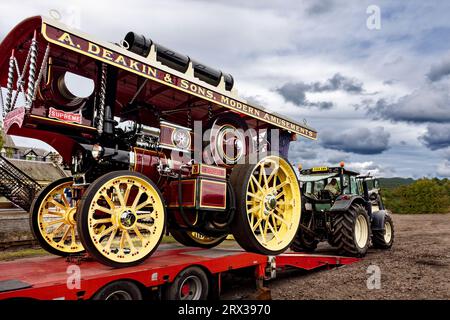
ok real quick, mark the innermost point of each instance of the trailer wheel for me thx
(119, 290)
(121, 218)
(351, 231)
(190, 284)
(52, 219)
(196, 239)
(384, 239)
(268, 205)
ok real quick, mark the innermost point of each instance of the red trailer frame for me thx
(51, 277)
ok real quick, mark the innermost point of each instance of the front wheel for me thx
(384, 239)
(351, 231)
(52, 218)
(268, 205)
(121, 218)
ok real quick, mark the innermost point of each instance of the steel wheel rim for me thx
(273, 203)
(361, 231)
(56, 220)
(202, 239)
(126, 219)
(191, 288)
(387, 232)
(119, 295)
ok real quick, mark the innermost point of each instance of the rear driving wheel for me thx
(121, 218)
(351, 231)
(268, 205)
(52, 218)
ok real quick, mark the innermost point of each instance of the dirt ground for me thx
(417, 267)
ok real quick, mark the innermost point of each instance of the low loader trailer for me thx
(174, 273)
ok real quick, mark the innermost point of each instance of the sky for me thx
(371, 76)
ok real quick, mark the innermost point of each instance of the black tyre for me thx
(121, 218)
(190, 284)
(119, 290)
(351, 231)
(303, 242)
(50, 206)
(384, 239)
(267, 217)
(196, 239)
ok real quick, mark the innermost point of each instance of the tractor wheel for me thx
(384, 239)
(351, 231)
(121, 218)
(52, 219)
(190, 284)
(196, 239)
(303, 243)
(227, 143)
(268, 205)
(119, 290)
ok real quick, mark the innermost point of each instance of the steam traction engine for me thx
(155, 141)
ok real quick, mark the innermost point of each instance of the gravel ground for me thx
(417, 267)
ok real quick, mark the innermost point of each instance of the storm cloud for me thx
(428, 104)
(357, 140)
(437, 136)
(338, 82)
(295, 92)
(439, 71)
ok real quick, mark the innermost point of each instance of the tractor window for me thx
(360, 187)
(369, 184)
(353, 186)
(319, 185)
(308, 188)
(346, 185)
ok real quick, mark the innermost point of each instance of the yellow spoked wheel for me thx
(196, 239)
(52, 219)
(268, 205)
(121, 218)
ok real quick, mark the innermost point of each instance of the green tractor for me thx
(343, 208)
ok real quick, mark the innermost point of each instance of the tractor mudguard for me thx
(344, 202)
(377, 218)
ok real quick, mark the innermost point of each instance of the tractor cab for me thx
(371, 189)
(322, 186)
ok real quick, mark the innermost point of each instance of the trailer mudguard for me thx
(343, 202)
(377, 220)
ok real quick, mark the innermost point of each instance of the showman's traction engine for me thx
(156, 142)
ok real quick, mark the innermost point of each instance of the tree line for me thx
(422, 196)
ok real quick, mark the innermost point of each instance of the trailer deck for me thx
(52, 277)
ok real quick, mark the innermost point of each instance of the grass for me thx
(22, 253)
